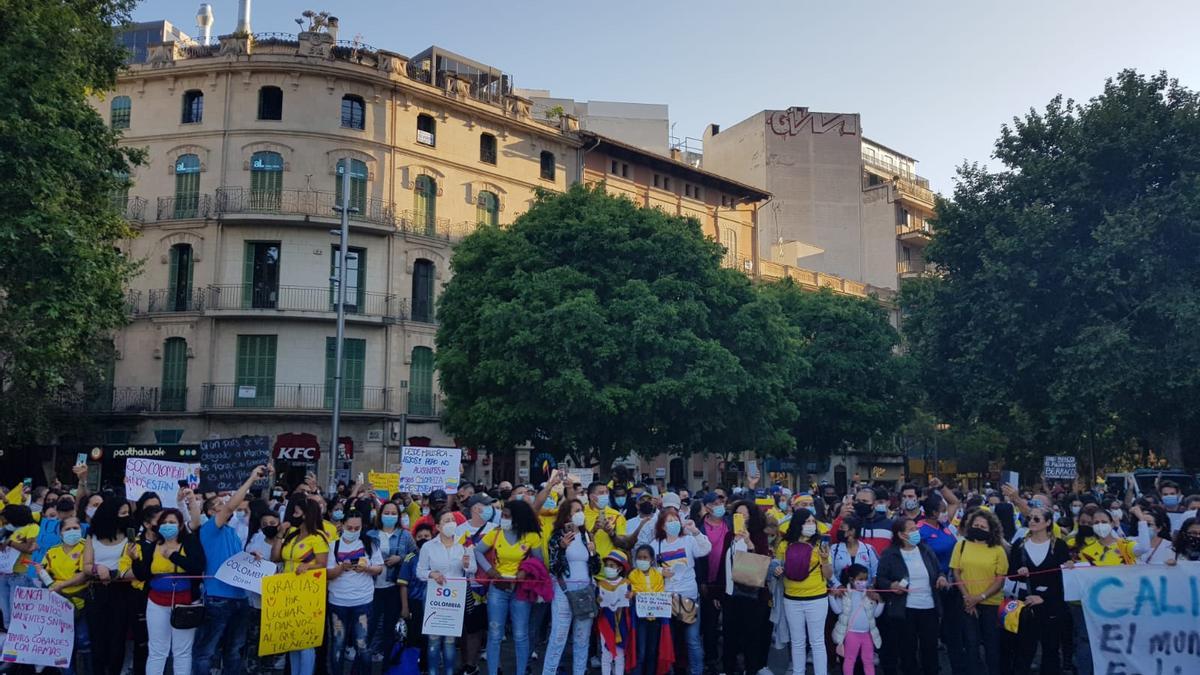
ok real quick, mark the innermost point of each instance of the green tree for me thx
(62, 281)
(1070, 294)
(593, 326)
(854, 391)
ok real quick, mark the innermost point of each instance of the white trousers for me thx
(166, 640)
(807, 617)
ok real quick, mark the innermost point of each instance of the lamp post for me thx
(344, 208)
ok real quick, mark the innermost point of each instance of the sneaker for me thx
(533, 656)
(594, 662)
(765, 671)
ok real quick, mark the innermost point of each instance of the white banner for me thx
(42, 629)
(423, 470)
(444, 608)
(246, 572)
(162, 478)
(653, 605)
(1141, 618)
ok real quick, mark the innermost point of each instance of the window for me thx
(657, 180)
(260, 275)
(358, 185)
(120, 196)
(255, 380)
(354, 357)
(187, 186)
(666, 183)
(174, 375)
(487, 148)
(422, 291)
(729, 241)
(426, 129)
(613, 168)
(425, 206)
(420, 382)
(487, 209)
(902, 217)
(619, 169)
(266, 181)
(270, 103)
(624, 170)
(193, 106)
(724, 200)
(687, 189)
(354, 112)
(120, 110)
(696, 192)
(179, 279)
(356, 270)
(168, 436)
(547, 165)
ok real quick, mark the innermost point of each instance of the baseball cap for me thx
(479, 498)
(671, 500)
(437, 496)
(710, 498)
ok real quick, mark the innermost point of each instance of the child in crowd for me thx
(615, 622)
(855, 633)
(655, 653)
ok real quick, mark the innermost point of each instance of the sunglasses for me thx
(1037, 519)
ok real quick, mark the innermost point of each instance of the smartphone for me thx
(739, 522)
(81, 459)
(28, 482)
(183, 483)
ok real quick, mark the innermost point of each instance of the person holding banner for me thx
(1153, 536)
(64, 564)
(980, 562)
(441, 559)
(1096, 544)
(110, 611)
(573, 563)
(1187, 540)
(304, 547)
(168, 554)
(1038, 559)
(517, 539)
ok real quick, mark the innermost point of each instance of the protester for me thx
(517, 538)
(909, 572)
(64, 566)
(162, 561)
(715, 526)
(110, 611)
(353, 564)
(856, 634)
(655, 651)
(304, 547)
(1037, 560)
(573, 564)
(442, 558)
(677, 546)
(747, 610)
(980, 563)
(805, 570)
(393, 544)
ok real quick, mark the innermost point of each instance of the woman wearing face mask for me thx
(516, 539)
(394, 544)
(1037, 560)
(64, 564)
(939, 535)
(747, 613)
(353, 564)
(264, 533)
(110, 611)
(1153, 545)
(304, 546)
(573, 564)
(849, 551)
(909, 570)
(90, 506)
(805, 571)
(441, 559)
(159, 563)
(1095, 543)
(979, 561)
(677, 545)
(1187, 540)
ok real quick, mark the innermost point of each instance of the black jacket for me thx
(893, 569)
(559, 567)
(1045, 580)
(189, 558)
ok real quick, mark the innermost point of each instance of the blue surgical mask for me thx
(548, 505)
(914, 537)
(338, 516)
(1035, 503)
(719, 511)
(489, 511)
(672, 527)
(72, 537)
(506, 524)
(643, 565)
(881, 508)
(351, 536)
(620, 501)
(1170, 500)
(168, 530)
(203, 519)
(389, 520)
(602, 501)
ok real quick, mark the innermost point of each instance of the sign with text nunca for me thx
(300, 448)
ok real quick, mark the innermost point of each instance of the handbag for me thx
(750, 569)
(186, 617)
(582, 601)
(684, 609)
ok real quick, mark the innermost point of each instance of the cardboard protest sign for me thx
(162, 478)
(246, 572)
(444, 608)
(226, 463)
(42, 629)
(423, 470)
(384, 484)
(653, 605)
(293, 612)
(1059, 468)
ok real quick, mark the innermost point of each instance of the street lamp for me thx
(345, 209)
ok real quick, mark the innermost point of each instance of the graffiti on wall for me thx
(796, 119)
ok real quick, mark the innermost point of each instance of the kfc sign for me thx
(297, 448)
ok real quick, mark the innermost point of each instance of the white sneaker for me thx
(765, 671)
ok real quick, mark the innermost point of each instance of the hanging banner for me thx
(423, 470)
(1140, 618)
(444, 608)
(293, 612)
(384, 484)
(42, 629)
(161, 478)
(226, 463)
(246, 572)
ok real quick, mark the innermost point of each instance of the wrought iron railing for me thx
(189, 299)
(123, 400)
(424, 404)
(293, 397)
(918, 226)
(183, 207)
(133, 208)
(913, 267)
(133, 302)
(320, 203)
(304, 299)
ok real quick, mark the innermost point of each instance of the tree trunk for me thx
(1172, 447)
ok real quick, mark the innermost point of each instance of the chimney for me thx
(204, 21)
(331, 26)
(676, 155)
(243, 25)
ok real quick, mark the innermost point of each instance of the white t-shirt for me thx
(1037, 552)
(920, 591)
(354, 588)
(577, 564)
(680, 555)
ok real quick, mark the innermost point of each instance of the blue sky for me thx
(934, 79)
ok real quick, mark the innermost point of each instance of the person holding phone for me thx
(353, 564)
(677, 544)
(805, 570)
(304, 547)
(573, 564)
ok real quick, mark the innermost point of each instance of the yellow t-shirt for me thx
(509, 556)
(62, 564)
(300, 550)
(1120, 553)
(813, 586)
(977, 566)
(414, 512)
(22, 535)
(604, 543)
(331, 531)
(547, 518)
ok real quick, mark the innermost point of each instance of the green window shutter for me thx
(248, 275)
(358, 186)
(172, 275)
(420, 382)
(255, 368)
(174, 375)
(487, 209)
(422, 291)
(266, 181)
(425, 205)
(187, 186)
(354, 355)
(356, 279)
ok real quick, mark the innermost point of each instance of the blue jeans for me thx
(224, 628)
(688, 635)
(303, 661)
(7, 583)
(984, 630)
(441, 654)
(343, 620)
(500, 605)
(560, 625)
(648, 636)
(83, 645)
(1083, 648)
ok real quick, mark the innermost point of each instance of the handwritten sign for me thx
(653, 605)
(42, 629)
(444, 608)
(293, 612)
(423, 470)
(1140, 618)
(162, 478)
(584, 476)
(384, 484)
(1059, 468)
(615, 598)
(226, 463)
(246, 572)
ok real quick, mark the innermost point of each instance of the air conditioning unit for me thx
(375, 435)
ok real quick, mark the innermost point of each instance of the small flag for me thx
(1010, 614)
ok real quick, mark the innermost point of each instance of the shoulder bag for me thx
(582, 600)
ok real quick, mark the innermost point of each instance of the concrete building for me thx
(642, 125)
(843, 205)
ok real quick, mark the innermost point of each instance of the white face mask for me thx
(1102, 530)
(809, 529)
(578, 518)
(450, 529)
(506, 524)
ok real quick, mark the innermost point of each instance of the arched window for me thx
(422, 291)
(120, 110)
(547, 165)
(193, 106)
(420, 382)
(179, 279)
(425, 206)
(266, 181)
(270, 103)
(173, 397)
(487, 148)
(358, 186)
(354, 112)
(487, 209)
(120, 196)
(187, 186)
(426, 129)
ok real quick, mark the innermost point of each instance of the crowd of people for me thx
(872, 579)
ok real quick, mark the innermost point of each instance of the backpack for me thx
(797, 562)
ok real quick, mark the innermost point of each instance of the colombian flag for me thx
(1010, 614)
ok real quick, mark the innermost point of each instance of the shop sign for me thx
(297, 448)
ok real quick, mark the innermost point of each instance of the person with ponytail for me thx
(805, 570)
(303, 547)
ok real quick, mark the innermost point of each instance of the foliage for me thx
(1069, 293)
(62, 281)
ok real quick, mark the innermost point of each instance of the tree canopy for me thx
(1069, 292)
(62, 281)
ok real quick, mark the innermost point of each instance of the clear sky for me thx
(933, 79)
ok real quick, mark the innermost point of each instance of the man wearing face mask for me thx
(604, 522)
(876, 530)
(715, 525)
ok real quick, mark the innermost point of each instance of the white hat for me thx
(671, 500)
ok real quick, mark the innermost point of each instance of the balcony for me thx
(133, 302)
(304, 299)
(185, 207)
(736, 262)
(424, 404)
(915, 229)
(170, 300)
(295, 397)
(121, 400)
(916, 192)
(908, 269)
(311, 203)
(133, 208)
